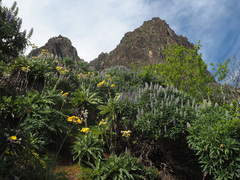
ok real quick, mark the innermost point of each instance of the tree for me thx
(185, 70)
(12, 40)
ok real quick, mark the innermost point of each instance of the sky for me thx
(96, 26)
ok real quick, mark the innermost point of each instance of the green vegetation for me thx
(119, 123)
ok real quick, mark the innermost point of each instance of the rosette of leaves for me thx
(215, 138)
(87, 148)
(122, 167)
(164, 112)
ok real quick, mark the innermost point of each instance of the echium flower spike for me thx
(193, 103)
(174, 121)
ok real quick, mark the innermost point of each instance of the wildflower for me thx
(126, 133)
(61, 92)
(74, 119)
(59, 68)
(25, 69)
(100, 84)
(108, 75)
(55, 61)
(13, 138)
(102, 122)
(85, 130)
(113, 85)
(0, 51)
(65, 94)
(222, 146)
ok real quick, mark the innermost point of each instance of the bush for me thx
(164, 112)
(121, 167)
(13, 41)
(215, 138)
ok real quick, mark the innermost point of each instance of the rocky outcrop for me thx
(58, 47)
(143, 46)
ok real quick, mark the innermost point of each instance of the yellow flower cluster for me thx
(33, 45)
(64, 94)
(101, 83)
(34, 57)
(25, 69)
(126, 133)
(89, 74)
(45, 52)
(85, 130)
(106, 83)
(102, 122)
(75, 119)
(60, 69)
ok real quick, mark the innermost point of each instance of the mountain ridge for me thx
(143, 46)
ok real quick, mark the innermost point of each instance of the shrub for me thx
(164, 112)
(13, 41)
(122, 167)
(87, 148)
(215, 138)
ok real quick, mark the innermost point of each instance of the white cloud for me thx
(96, 26)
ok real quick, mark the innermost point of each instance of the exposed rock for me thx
(143, 46)
(59, 47)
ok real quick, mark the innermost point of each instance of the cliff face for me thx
(143, 46)
(59, 47)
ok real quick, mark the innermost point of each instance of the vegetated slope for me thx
(143, 46)
(59, 47)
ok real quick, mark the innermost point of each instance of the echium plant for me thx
(164, 112)
(13, 41)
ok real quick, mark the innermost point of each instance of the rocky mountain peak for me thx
(58, 47)
(143, 46)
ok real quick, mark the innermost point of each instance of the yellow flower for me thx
(101, 83)
(59, 68)
(13, 138)
(86, 130)
(61, 92)
(108, 76)
(222, 146)
(69, 119)
(74, 119)
(25, 69)
(102, 122)
(65, 94)
(126, 133)
(113, 85)
(0, 51)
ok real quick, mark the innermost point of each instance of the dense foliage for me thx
(118, 123)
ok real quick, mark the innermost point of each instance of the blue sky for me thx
(96, 26)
